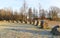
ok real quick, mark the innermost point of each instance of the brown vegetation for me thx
(30, 14)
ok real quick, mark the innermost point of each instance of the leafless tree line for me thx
(29, 14)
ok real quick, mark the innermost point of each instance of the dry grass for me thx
(16, 34)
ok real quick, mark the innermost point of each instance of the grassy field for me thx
(19, 30)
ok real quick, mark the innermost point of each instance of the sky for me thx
(17, 4)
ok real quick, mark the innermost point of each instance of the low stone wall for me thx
(46, 23)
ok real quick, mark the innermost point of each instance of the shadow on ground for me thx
(39, 32)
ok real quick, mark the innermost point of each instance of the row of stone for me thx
(39, 23)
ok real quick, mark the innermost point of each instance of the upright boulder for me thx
(54, 30)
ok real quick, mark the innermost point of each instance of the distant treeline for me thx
(29, 14)
(52, 14)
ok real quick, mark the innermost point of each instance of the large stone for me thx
(55, 31)
(45, 25)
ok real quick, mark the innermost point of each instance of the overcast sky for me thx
(17, 4)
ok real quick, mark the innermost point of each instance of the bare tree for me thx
(24, 11)
(53, 13)
(30, 15)
(42, 14)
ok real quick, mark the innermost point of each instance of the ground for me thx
(19, 30)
